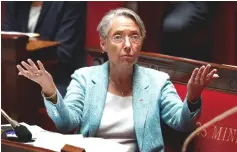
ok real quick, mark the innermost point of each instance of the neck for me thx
(121, 75)
(37, 3)
(120, 80)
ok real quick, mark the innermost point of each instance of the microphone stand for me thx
(21, 131)
(9, 119)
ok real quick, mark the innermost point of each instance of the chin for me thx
(128, 63)
(129, 60)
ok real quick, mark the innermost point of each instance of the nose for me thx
(127, 43)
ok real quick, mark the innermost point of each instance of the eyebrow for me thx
(121, 31)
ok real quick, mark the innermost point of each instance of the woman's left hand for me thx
(200, 78)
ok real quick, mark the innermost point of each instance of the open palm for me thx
(38, 75)
(200, 78)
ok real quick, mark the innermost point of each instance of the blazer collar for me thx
(23, 12)
(102, 73)
(139, 77)
(141, 100)
(45, 8)
(98, 92)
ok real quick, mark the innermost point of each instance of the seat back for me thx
(219, 137)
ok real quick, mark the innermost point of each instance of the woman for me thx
(120, 100)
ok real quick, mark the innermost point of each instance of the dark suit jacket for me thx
(58, 21)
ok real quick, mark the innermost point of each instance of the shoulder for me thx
(74, 4)
(156, 79)
(154, 74)
(86, 72)
(12, 5)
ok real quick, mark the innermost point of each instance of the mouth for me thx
(126, 56)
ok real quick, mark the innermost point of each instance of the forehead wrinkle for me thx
(122, 30)
(123, 25)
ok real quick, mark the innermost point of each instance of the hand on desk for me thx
(38, 75)
(200, 78)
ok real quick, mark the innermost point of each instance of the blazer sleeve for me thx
(8, 15)
(174, 112)
(71, 31)
(67, 113)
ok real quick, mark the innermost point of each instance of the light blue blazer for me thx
(154, 99)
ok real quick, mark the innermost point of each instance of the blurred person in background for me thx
(62, 21)
(186, 27)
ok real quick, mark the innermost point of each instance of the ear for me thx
(103, 44)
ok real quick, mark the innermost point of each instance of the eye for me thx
(135, 38)
(117, 37)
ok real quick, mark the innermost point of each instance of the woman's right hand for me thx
(38, 75)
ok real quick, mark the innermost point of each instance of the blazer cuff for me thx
(194, 106)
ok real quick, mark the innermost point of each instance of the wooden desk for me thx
(21, 97)
(31, 44)
(35, 45)
(10, 146)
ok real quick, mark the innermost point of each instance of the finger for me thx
(22, 71)
(205, 72)
(34, 67)
(211, 75)
(215, 75)
(41, 66)
(32, 71)
(194, 74)
(199, 73)
(26, 66)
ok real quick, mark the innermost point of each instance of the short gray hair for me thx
(103, 27)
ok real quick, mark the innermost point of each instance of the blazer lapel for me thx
(45, 8)
(23, 18)
(141, 99)
(98, 92)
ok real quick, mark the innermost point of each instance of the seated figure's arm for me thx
(175, 113)
(71, 35)
(180, 115)
(67, 113)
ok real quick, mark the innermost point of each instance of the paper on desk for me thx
(35, 130)
(31, 35)
(49, 140)
(99, 144)
(56, 141)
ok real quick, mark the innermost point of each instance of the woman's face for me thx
(123, 42)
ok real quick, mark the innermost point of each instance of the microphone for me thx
(21, 131)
